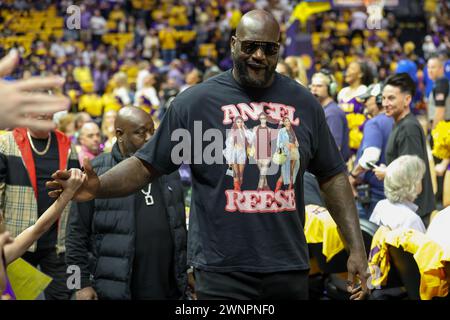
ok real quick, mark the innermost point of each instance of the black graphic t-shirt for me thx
(249, 220)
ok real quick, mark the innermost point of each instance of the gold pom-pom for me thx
(441, 140)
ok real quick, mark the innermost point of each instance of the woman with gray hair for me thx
(402, 184)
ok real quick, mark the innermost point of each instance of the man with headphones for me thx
(371, 152)
(324, 88)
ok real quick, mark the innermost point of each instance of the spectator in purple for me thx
(372, 150)
(323, 87)
(175, 73)
(101, 77)
(85, 32)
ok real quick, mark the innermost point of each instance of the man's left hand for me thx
(357, 276)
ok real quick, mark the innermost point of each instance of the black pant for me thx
(54, 266)
(288, 285)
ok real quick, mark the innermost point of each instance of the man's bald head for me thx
(131, 115)
(90, 137)
(134, 127)
(258, 22)
(88, 126)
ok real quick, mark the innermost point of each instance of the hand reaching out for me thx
(85, 192)
(76, 179)
(18, 100)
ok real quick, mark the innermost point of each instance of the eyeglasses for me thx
(250, 46)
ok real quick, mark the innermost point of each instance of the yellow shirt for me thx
(321, 228)
(116, 15)
(178, 17)
(373, 53)
(430, 260)
(429, 256)
(168, 38)
(378, 258)
(92, 104)
(82, 74)
(110, 102)
(236, 16)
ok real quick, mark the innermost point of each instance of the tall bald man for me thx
(139, 248)
(248, 243)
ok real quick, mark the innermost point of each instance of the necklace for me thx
(148, 197)
(43, 152)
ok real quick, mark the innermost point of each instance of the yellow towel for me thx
(321, 228)
(26, 281)
(429, 256)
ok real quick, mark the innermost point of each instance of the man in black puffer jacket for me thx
(132, 247)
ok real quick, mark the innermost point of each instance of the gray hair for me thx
(402, 178)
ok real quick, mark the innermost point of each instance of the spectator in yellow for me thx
(373, 52)
(168, 41)
(178, 17)
(235, 16)
(117, 13)
(90, 102)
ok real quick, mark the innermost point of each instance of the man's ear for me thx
(233, 44)
(408, 99)
(119, 133)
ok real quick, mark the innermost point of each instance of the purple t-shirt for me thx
(337, 122)
(376, 134)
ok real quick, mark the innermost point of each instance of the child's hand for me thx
(77, 177)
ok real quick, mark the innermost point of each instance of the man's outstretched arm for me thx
(125, 178)
(339, 200)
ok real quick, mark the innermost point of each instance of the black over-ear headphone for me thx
(332, 84)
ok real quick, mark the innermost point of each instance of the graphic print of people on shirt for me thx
(263, 149)
(259, 145)
(288, 143)
(237, 144)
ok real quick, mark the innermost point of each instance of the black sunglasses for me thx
(250, 46)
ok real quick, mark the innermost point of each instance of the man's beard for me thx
(248, 81)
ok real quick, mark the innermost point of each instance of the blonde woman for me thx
(239, 139)
(108, 129)
(121, 91)
(288, 143)
(298, 69)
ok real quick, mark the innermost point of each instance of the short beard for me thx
(246, 80)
